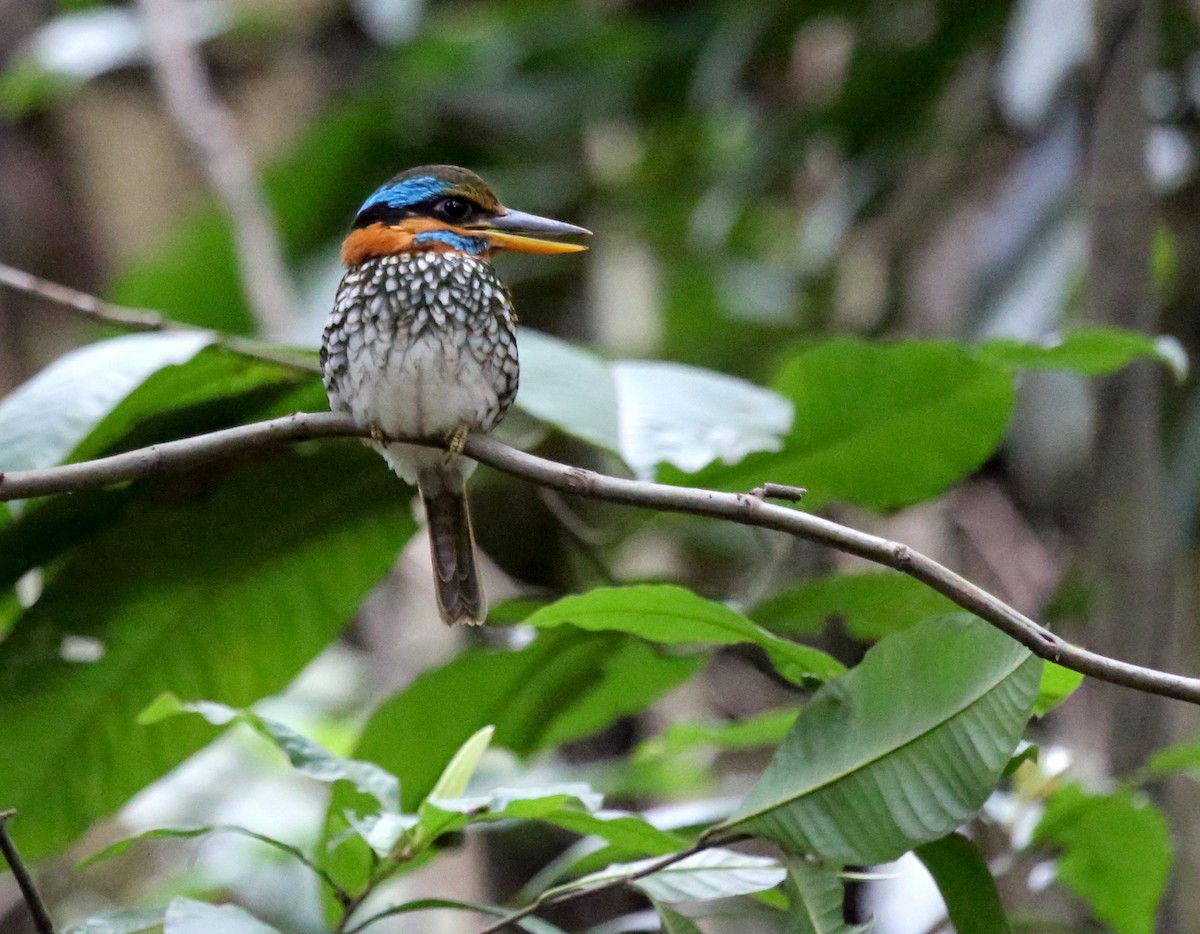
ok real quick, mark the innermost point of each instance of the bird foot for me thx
(377, 434)
(458, 440)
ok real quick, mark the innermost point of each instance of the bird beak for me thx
(506, 232)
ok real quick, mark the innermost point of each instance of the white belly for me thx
(426, 390)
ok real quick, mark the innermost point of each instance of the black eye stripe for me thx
(386, 214)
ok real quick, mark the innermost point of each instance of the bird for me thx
(422, 343)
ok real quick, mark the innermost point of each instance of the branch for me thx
(94, 309)
(210, 128)
(744, 508)
(33, 899)
(83, 304)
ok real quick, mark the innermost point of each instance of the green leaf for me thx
(1090, 351)
(675, 923)
(630, 832)
(899, 751)
(536, 802)
(815, 895)
(306, 756)
(213, 389)
(185, 916)
(446, 815)
(125, 921)
(47, 527)
(648, 412)
(1057, 685)
(674, 615)
(43, 420)
(870, 605)
(457, 774)
(966, 884)
(1026, 752)
(763, 729)
(565, 685)
(881, 426)
(1116, 853)
(187, 833)
(1184, 757)
(703, 876)
(222, 593)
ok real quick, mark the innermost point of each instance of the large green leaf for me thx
(225, 594)
(648, 412)
(43, 420)
(213, 389)
(1116, 853)
(674, 615)
(966, 884)
(870, 605)
(899, 751)
(881, 426)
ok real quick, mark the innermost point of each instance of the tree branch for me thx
(94, 309)
(81, 303)
(743, 508)
(210, 128)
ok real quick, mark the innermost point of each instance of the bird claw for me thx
(377, 434)
(458, 440)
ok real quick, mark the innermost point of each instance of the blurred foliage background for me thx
(759, 176)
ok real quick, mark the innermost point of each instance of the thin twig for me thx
(743, 508)
(37, 908)
(95, 309)
(210, 128)
(81, 303)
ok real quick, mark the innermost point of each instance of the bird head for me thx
(445, 208)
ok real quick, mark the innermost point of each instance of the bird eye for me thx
(452, 209)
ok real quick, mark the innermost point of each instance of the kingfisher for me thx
(422, 343)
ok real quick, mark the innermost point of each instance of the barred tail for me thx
(452, 544)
